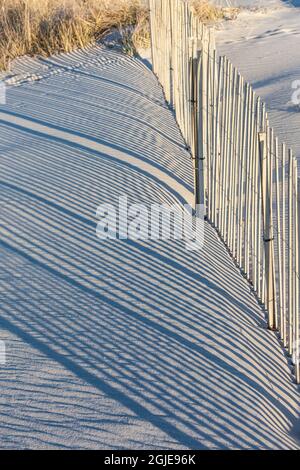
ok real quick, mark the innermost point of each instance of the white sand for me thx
(264, 44)
(119, 344)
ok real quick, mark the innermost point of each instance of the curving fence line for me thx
(246, 179)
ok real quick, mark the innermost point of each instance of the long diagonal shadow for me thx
(211, 357)
(145, 249)
(161, 175)
(107, 80)
(104, 387)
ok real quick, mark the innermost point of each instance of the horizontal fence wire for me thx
(246, 180)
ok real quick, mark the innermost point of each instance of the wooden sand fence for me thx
(244, 177)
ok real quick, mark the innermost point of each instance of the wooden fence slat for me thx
(279, 239)
(295, 325)
(283, 246)
(240, 173)
(235, 193)
(297, 254)
(259, 236)
(268, 230)
(290, 253)
(232, 158)
(219, 143)
(255, 198)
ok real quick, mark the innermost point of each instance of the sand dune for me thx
(119, 344)
(265, 46)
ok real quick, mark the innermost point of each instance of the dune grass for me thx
(44, 27)
(209, 13)
(48, 26)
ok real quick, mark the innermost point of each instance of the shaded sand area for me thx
(119, 344)
(264, 44)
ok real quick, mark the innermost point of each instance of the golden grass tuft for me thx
(45, 27)
(209, 13)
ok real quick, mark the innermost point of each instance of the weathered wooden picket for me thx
(247, 181)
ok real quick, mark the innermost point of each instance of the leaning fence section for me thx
(246, 179)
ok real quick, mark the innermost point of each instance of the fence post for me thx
(280, 267)
(201, 120)
(291, 289)
(297, 313)
(268, 230)
(284, 234)
(194, 112)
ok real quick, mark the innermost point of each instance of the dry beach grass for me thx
(48, 26)
(36, 27)
(210, 13)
